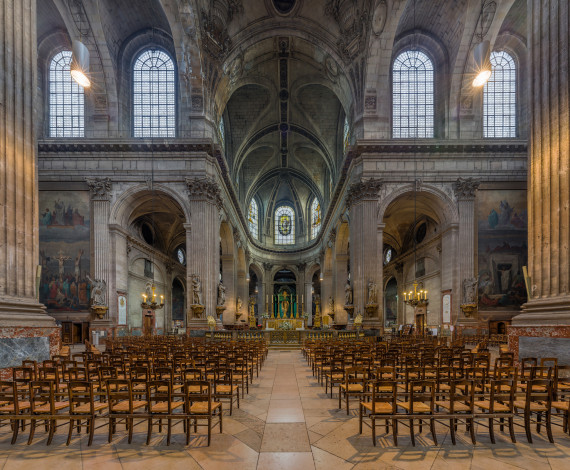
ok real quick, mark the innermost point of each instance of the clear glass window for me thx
(66, 99)
(284, 225)
(412, 96)
(154, 95)
(499, 98)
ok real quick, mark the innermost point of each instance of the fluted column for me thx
(549, 166)
(101, 206)
(18, 179)
(203, 242)
(365, 254)
(465, 190)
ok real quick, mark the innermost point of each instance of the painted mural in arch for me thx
(502, 248)
(64, 250)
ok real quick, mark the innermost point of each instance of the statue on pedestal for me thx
(220, 307)
(372, 304)
(251, 315)
(98, 297)
(469, 305)
(347, 293)
(197, 307)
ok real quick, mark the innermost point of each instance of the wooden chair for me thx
(122, 405)
(225, 387)
(354, 385)
(11, 407)
(383, 405)
(161, 405)
(82, 406)
(500, 405)
(537, 402)
(43, 405)
(199, 405)
(421, 402)
(460, 404)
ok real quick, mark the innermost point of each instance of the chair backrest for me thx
(539, 390)
(159, 391)
(549, 362)
(541, 372)
(462, 390)
(9, 395)
(422, 391)
(119, 390)
(81, 393)
(508, 372)
(527, 363)
(192, 373)
(42, 392)
(385, 391)
(502, 391)
(198, 391)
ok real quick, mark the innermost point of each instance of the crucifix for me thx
(60, 260)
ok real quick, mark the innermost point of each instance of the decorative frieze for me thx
(366, 189)
(465, 188)
(100, 188)
(204, 189)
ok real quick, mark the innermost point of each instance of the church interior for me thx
(340, 212)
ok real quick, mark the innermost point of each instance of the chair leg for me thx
(452, 430)
(492, 430)
(360, 420)
(32, 431)
(221, 419)
(432, 429)
(412, 432)
(373, 422)
(512, 429)
(472, 430)
(111, 426)
(188, 427)
(70, 431)
(549, 427)
(52, 428)
(130, 424)
(209, 430)
(395, 431)
(149, 431)
(527, 427)
(538, 422)
(15, 429)
(91, 430)
(169, 431)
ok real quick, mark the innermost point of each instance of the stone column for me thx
(365, 255)
(549, 170)
(20, 312)
(203, 243)
(465, 190)
(101, 255)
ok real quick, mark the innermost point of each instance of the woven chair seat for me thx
(379, 408)
(201, 407)
(486, 405)
(162, 407)
(86, 408)
(58, 405)
(123, 406)
(534, 406)
(457, 405)
(352, 387)
(226, 388)
(419, 407)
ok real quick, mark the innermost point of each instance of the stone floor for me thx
(286, 422)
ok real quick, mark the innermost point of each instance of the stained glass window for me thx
(284, 226)
(154, 95)
(66, 99)
(499, 98)
(412, 96)
(346, 135)
(316, 216)
(253, 219)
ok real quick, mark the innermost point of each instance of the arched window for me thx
(154, 95)
(345, 135)
(253, 219)
(66, 99)
(316, 217)
(499, 98)
(412, 96)
(222, 132)
(284, 226)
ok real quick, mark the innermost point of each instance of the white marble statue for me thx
(196, 290)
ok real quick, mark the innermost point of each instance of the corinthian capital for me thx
(204, 189)
(465, 188)
(100, 188)
(366, 189)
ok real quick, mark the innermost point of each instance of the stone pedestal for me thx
(24, 325)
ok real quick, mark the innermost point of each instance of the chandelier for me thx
(417, 298)
(151, 303)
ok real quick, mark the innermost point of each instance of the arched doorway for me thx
(391, 303)
(178, 307)
(285, 294)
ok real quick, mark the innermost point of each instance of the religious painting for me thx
(502, 248)
(64, 250)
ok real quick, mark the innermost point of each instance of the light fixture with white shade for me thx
(79, 67)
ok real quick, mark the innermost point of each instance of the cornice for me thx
(396, 146)
(124, 146)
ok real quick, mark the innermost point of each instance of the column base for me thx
(541, 312)
(26, 332)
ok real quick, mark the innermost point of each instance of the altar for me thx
(284, 323)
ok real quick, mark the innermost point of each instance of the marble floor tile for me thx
(286, 461)
(285, 437)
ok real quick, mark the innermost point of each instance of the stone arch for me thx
(123, 206)
(226, 239)
(447, 209)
